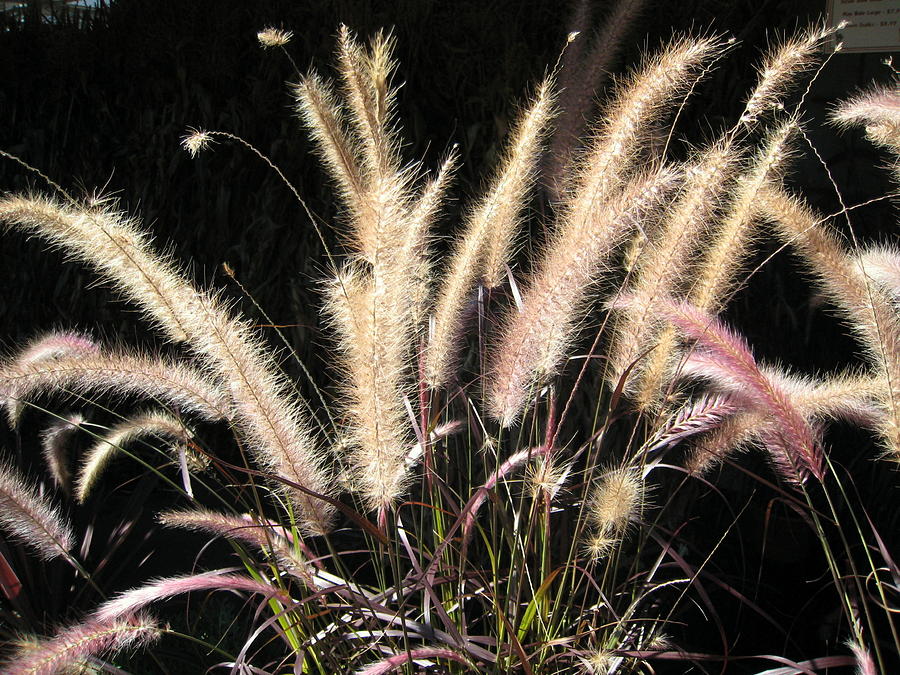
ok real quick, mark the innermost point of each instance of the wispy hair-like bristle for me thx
(533, 342)
(55, 439)
(724, 357)
(241, 528)
(98, 456)
(121, 374)
(265, 415)
(30, 517)
(66, 650)
(485, 243)
(128, 603)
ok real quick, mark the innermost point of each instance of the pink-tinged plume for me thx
(723, 357)
(55, 441)
(396, 661)
(30, 517)
(129, 602)
(66, 650)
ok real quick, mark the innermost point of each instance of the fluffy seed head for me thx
(780, 67)
(30, 517)
(274, 37)
(546, 477)
(54, 446)
(617, 497)
(533, 342)
(66, 650)
(263, 536)
(878, 111)
(195, 141)
(598, 663)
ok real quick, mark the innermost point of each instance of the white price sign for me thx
(872, 25)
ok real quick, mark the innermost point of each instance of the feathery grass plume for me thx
(196, 141)
(732, 238)
(97, 458)
(627, 122)
(546, 476)
(724, 357)
(374, 390)
(386, 236)
(54, 446)
(422, 215)
(878, 110)
(56, 345)
(397, 661)
(699, 415)
(590, 225)
(581, 75)
(534, 341)
(882, 265)
(598, 663)
(716, 275)
(274, 37)
(122, 374)
(128, 603)
(611, 504)
(30, 518)
(66, 651)
(865, 664)
(486, 241)
(323, 117)
(509, 190)
(262, 536)
(854, 397)
(370, 98)
(46, 348)
(731, 436)
(264, 413)
(114, 245)
(781, 67)
(869, 311)
(664, 264)
(377, 303)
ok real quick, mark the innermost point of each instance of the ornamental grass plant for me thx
(513, 461)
